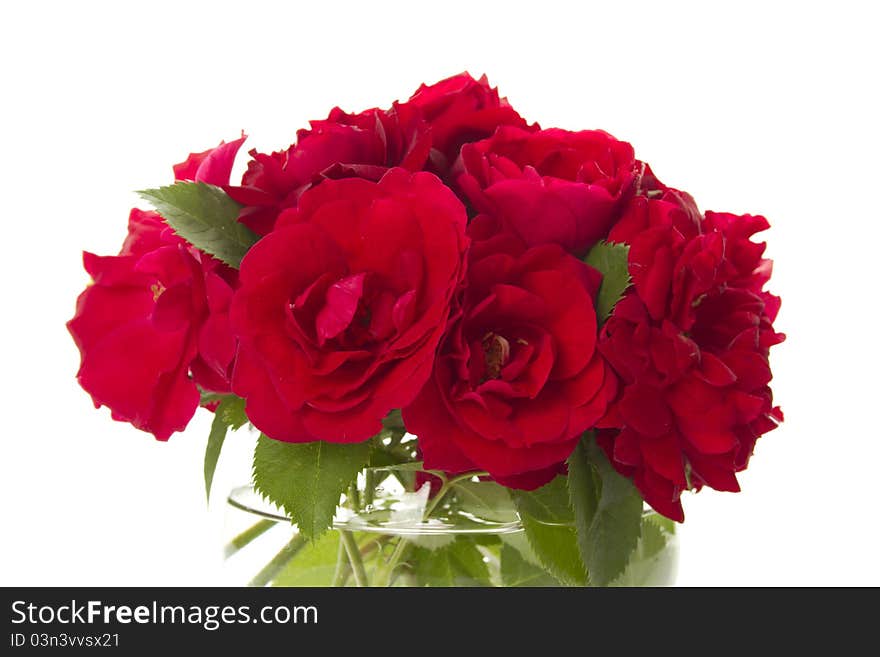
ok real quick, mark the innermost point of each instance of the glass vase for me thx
(403, 526)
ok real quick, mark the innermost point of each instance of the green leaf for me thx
(607, 510)
(231, 409)
(611, 261)
(394, 421)
(206, 397)
(654, 559)
(228, 415)
(307, 479)
(664, 523)
(519, 542)
(380, 458)
(556, 548)
(516, 571)
(432, 567)
(458, 564)
(314, 565)
(547, 519)
(652, 539)
(413, 466)
(492, 557)
(486, 500)
(388, 447)
(487, 539)
(468, 559)
(212, 451)
(548, 504)
(206, 217)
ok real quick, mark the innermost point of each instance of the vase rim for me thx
(245, 498)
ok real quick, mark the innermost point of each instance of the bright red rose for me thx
(154, 323)
(460, 110)
(649, 186)
(690, 342)
(517, 378)
(363, 145)
(342, 306)
(213, 166)
(550, 186)
(211, 369)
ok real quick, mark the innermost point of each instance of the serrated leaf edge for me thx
(155, 198)
(602, 317)
(557, 573)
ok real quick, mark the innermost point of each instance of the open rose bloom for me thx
(444, 278)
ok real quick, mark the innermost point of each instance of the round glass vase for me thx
(403, 526)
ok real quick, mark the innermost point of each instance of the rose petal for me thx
(342, 299)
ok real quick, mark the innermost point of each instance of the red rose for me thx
(690, 342)
(459, 110)
(213, 166)
(211, 369)
(437, 120)
(550, 186)
(657, 230)
(341, 307)
(647, 185)
(517, 379)
(154, 323)
(363, 145)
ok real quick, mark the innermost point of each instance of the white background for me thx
(753, 107)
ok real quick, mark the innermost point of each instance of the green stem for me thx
(247, 536)
(445, 488)
(383, 578)
(371, 544)
(279, 561)
(369, 486)
(342, 567)
(354, 497)
(354, 558)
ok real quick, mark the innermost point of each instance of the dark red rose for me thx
(517, 378)
(690, 343)
(460, 110)
(550, 186)
(213, 166)
(647, 185)
(435, 122)
(363, 145)
(154, 324)
(341, 307)
(657, 230)
(211, 369)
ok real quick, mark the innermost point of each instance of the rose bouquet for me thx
(510, 322)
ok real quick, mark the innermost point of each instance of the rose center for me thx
(496, 352)
(157, 289)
